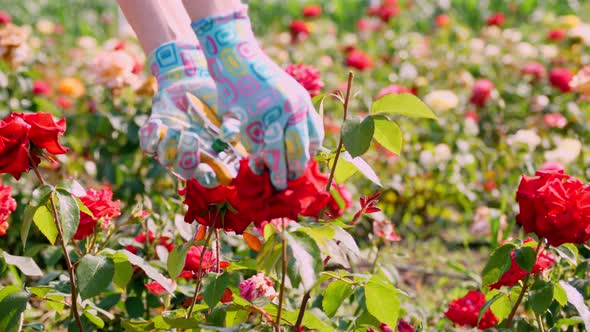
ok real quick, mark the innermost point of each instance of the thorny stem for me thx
(283, 275)
(199, 277)
(218, 250)
(525, 287)
(63, 244)
(307, 294)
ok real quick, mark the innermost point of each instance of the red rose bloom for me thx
(141, 238)
(299, 30)
(5, 18)
(560, 78)
(358, 59)
(482, 89)
(44, 131)
(14, 147)
(156, 289)
(312, 10)
(63, 102)
(193, 258)
(386, 10)
(308, 76)
(442, 20)
(534, 69)
(465, 311)
(556, 34)
(394, 88)
(555, 206)
(7, 206)
(101, 204)
(496, 19)
(41, 88)
(252, 198)
(554, 120)
(403, 326)
(515, 274)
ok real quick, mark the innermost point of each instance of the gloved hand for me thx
(273, 113)
(174, 134)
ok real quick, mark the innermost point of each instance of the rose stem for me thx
(307, 294)
(63, 245)
(525, 287)
(283, 275)
(199, 279)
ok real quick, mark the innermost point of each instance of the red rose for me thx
(41, 88)
(101, 204)
(394, 88)
(386, 10)
(496, 19)
(554, 120)
(44, 131)
(193, 258)
(312, 10)
(556, 34)
(465, 311)
(141, 238)
(5, 18)
(308, 76)
(515, 273)
(14, 147)
(560, 78)
(156, 289)
(482, 89)
(472, 115)
(535, 69)
(555, 206)
(358, 59)
(63, 102)
(7, 206)
(299, 30)
(442, 20)
(403, 326)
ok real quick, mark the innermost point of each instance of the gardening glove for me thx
(173, 132)
(273, 113)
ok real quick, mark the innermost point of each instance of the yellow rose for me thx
(71, 86)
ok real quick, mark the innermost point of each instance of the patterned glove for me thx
(174, 134)
(273, 113)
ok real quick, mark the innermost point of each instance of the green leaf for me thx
(123, 270)
(336, 292)
(83, 208)
(357, 135)
(381, 298)
(541, 296)
(501, 307)
(45, 223)
(40, 197)
(305, 262)
(134, 307)
(388, 134)
(344, 169)
(559, 294)
(177, 259)
(25, 264)
(12, 304)
(269, 257)
(362, 166)
(499, 262)
(403, 104)
(149, 270)
(525, 258)
(569, 252)
(137, 325)
(577, 300)
(213, 287)
(94, 319)
(69, 213)
(94, 274)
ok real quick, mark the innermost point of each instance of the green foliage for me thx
(94, 275)
(305, 261)
(13, 303)
(525, 258)
(177, 259)
(499, 262)
(335, 294)
(402, 104)
(357, 135)
(382, 300)
(213, 287)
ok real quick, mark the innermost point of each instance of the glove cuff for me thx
(174, 61)
(223, 31)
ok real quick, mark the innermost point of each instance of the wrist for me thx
(174, 61)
